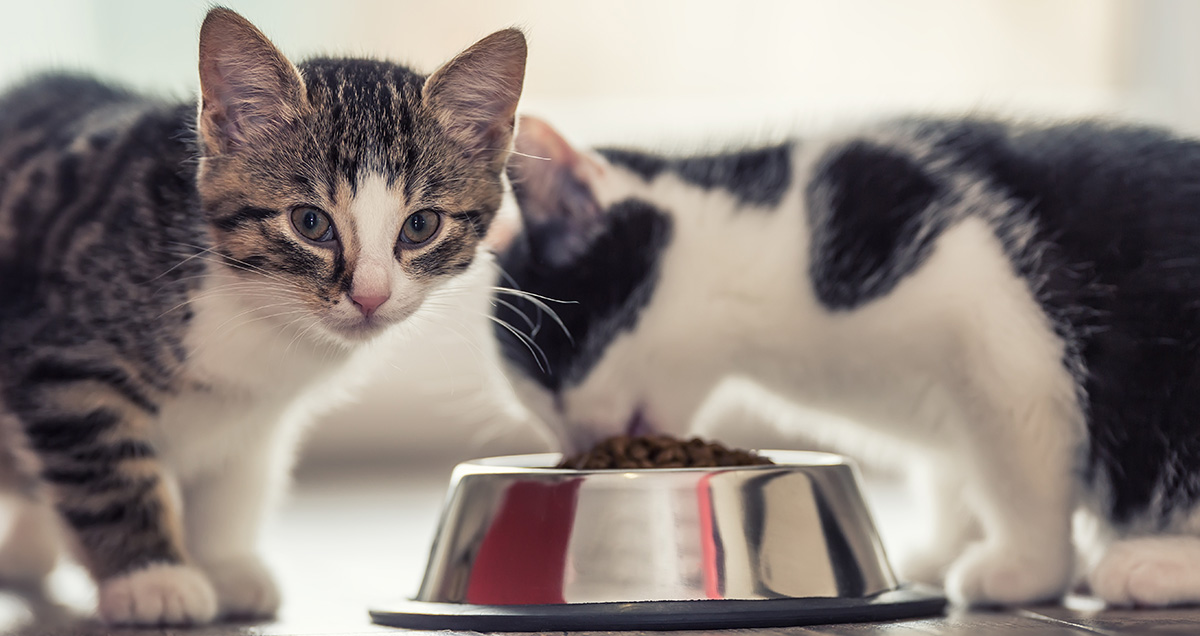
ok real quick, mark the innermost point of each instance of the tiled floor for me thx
(345, 540)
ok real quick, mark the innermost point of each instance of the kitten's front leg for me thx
(950, 525)
(225, 510)
(113, 494)
(1019, 465)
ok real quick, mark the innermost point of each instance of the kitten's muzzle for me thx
(367, 303)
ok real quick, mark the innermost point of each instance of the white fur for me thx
(374, 215)
(244, 587)
(254, 379)
(1149, 571)
(958, 361)
(158, 595)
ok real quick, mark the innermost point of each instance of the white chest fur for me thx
(252, 366)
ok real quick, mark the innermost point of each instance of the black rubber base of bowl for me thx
(906, 602)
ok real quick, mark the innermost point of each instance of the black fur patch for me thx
(135, 508)
(61, 434)
(243, 216)
(94, 467)
(442, 259)
(52, 371)
(1117, 258)
(112, 453)
(755, 177)
(866, 208)
(605, 289)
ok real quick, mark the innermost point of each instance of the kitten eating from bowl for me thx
(624, 452)
(1008, 310)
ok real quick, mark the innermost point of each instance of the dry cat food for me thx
(660, 451)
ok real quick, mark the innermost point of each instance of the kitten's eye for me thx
(312, 224)
(420, 227)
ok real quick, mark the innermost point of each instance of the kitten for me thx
(181, 288)
(1011, 310)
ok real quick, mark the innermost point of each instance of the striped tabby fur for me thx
(163, 309)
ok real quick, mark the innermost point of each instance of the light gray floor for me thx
(345, 539)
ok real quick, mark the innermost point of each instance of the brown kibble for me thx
(671, 454)
(660, 451)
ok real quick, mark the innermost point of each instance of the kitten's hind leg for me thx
(103, 476)
(1150, 571)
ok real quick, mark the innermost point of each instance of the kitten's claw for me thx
(158, 595)
(990, 575)
(245, 588)
(1149, 571)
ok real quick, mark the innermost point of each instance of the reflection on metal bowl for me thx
(525, 547)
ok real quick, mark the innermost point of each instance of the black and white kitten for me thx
(1015, 307)
(179, 291)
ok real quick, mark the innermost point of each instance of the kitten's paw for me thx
(924, 565)
(991, 575)
(245, 588)
(1149, 571)
(160, 594)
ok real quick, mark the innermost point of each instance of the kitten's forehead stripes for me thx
(365, 117)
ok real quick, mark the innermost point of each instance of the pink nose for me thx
(368, 304)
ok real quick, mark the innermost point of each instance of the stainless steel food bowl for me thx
(522, 546)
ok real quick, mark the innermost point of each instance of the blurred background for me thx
(675, 76)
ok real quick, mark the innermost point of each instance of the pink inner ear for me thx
(220, 114)
(476, 93)
(537, 138)
(246, 84)
(553, 186)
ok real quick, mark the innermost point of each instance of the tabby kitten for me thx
(1011, 311)
(181, 288)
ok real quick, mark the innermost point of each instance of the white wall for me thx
(621, 69)
(668, 74)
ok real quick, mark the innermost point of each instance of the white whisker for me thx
(527, 341)
(537, 301)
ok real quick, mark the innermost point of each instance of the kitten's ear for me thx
(475, 95)
(553, 184)
(248, 89)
